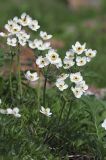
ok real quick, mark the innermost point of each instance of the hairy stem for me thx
(38, 93)
(19, 72)
(10, 77)
(44, 87)
(44, 91)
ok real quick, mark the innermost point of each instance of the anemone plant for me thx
(60, 102)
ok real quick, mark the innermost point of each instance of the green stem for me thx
(44, 91)
(61, 113)
(10, 78)
(70, 106)
(38, 93)
(75, 63)
(44, 87)
(19, 72)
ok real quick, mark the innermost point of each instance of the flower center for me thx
(76, 78)
(79, 48)
(61, 85)
(90, 54)
(24, 19)
(45, 36)
(31, 77)
(11, 25)
(15, 30)
(43, 61)
(70, 56)
(53, 57)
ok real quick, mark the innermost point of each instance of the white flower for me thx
(16, 112)
(67, 66)
(90, 54)
(22, 42)
(81, 61)
(41, 46)
(68, 63)
(63, 77)
(16, 28)
(104, 124)
(0, 101)
(79, 89)
(9, 111)
(9, 25)
(12, 27)
(38, 43)
(44, 35)
(76, 77)
(3, 111)
(31, 76)
(53, 57)
(12, 41)
(70, 54)
(42, 62)
(61, 85)
(25, 20)
(46, 46)
(32, 44)
(68, 60)
(59, 64)
(82, 85)
(23, 35)
(46, 111)
(34, 25)
(77, 92)
(78, 48)
(16, 19)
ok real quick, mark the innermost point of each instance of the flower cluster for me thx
(52, 57)
(76, 57)
(71, 61)
(60, 83)
(16, 34)
(80, 85)
(9, 111)
(41, 44)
